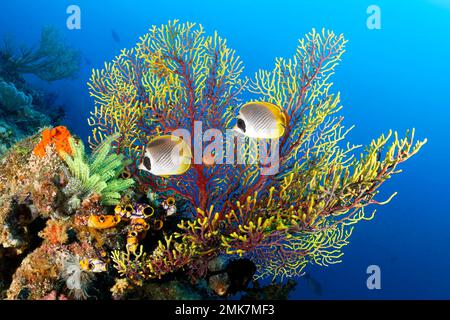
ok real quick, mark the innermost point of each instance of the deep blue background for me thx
(396, 77)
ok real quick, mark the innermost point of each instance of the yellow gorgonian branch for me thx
(167, 257)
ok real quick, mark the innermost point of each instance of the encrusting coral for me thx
(58, 136)
(28, 189)
(222, 226)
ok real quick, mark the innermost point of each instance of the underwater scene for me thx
(238, 150)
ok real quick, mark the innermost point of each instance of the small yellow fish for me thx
(167, 156)
(103, 222)
(262, 120)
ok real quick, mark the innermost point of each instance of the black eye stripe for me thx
(147, 163)
(241, 124)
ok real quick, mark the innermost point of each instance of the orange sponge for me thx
(59, 136)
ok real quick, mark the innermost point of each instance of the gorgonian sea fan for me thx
(177, 75)
(304, 212)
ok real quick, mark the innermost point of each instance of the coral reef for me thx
(79, 225)
(28, 189)
(39, 224)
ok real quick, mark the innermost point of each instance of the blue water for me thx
(396, 77)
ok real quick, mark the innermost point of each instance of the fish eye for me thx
(133, 234)
(101, 219)
(241, 124)
(170, 201)
(147, 163)
(129, 208)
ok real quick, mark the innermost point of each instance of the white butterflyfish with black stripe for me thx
(262, 120)
(167, 156)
